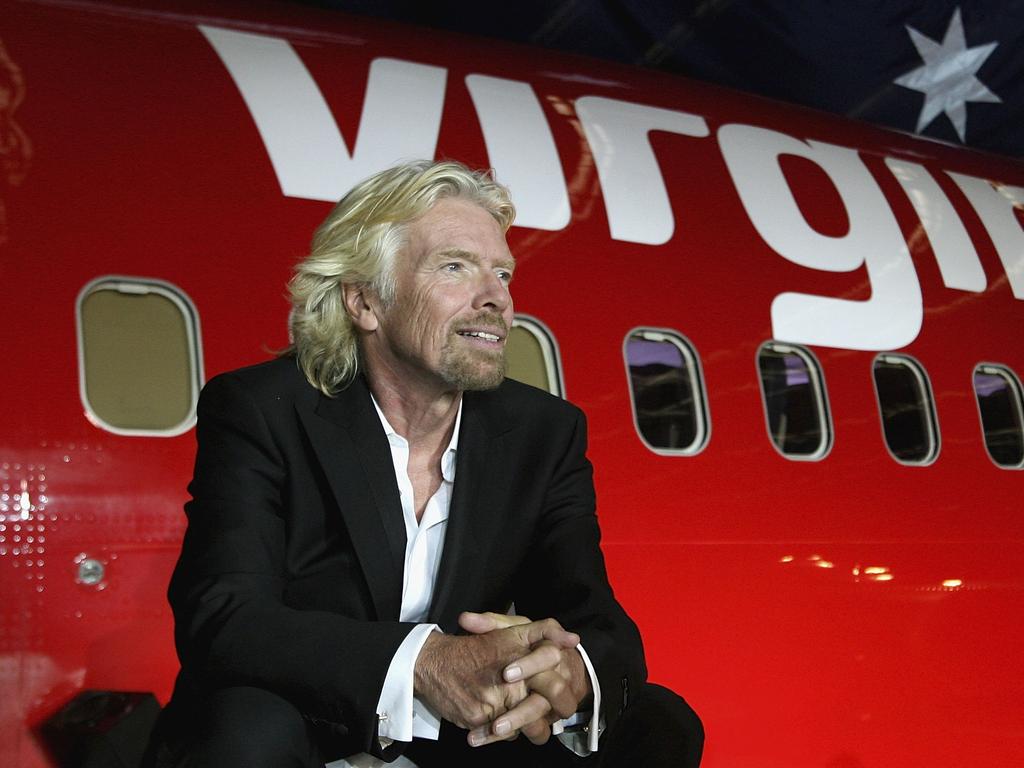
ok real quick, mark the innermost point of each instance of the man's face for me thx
(452, 309)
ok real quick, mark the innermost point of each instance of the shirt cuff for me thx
(401, 716)
(586, 742)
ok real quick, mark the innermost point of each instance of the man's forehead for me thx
(454, 214)
(457, 227)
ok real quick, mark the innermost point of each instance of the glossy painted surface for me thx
(849, 612)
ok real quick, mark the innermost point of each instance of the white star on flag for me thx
(947, 78)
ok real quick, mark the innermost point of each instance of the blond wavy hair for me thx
(358, 243)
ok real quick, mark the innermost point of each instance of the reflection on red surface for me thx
(15, 147)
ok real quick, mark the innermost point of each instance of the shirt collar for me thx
(447, 458)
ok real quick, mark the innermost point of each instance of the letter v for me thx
(400, 121)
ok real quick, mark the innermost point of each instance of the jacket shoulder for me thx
(275, 379)
(525, 403)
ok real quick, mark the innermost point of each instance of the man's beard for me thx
(469, 370)
(474, 369)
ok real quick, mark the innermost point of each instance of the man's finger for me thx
(558, 693)
(534, 707)
(548, 629)
(543, 658)
(538, 732)
(482, 623)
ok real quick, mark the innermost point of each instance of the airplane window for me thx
(908, 410)
(999, 404)
(139, 365)
(796, 407)
(666, 389)
(532, 356)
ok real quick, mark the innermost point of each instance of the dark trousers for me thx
(253, 728)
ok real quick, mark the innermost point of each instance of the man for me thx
(368, 508)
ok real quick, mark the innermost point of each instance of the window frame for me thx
(998, 369)
(141, 286)
(548, 347)
(931, 423)
(817, 378)
(692, 359)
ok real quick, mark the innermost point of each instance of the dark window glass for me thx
(794, 399)
(908, 413)
(999, 403)
(666, 390)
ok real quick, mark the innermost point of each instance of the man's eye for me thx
(452, 267)
(505, 276)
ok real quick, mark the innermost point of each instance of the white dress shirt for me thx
(403, 715)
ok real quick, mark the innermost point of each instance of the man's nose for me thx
(492, 291)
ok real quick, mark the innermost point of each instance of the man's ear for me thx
(359, 303)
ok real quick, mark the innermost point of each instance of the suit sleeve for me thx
(232, 625)
(566, 578)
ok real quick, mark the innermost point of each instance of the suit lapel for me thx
(473, 516)
(353, 450)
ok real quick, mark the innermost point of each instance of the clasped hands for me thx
(508, 676)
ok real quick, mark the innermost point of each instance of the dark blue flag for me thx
(948, 69)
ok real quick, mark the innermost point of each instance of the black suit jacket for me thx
(290, 576)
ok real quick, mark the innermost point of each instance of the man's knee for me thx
(670, 711)
(254, 728)
(658, 728)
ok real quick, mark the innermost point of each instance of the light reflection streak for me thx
(857, 571)
(877, 573)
